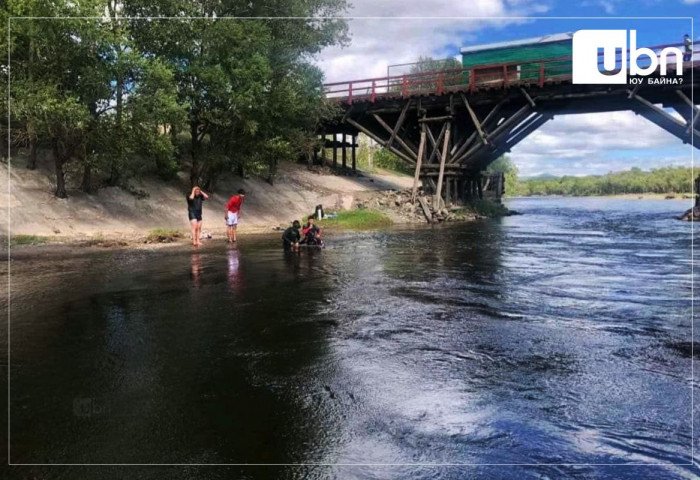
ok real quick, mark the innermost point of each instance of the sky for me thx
(567, 145)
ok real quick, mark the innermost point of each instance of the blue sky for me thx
(576, 144)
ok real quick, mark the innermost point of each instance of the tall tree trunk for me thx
(196, 166)
(173, 140)
(59, 162)
(4, 152)
(31, 133)
(86, 184)
(31, 161)
(114, 171)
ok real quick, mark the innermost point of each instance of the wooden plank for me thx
(381, 122)
(399, 122)
(379, 140)
(335, 152)
(438, 196)
(426, 210)
(435, 119)
(528, 97)
(354, 158)
(345, 154)
(475, 119)
(419, 160)
(436, 143)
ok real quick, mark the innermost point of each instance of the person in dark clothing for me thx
(688, 48)
(194, 212)
(311, 232)
(291, 236)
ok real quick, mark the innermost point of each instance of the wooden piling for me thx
(354, 146)
(421, 147)
(345, 153)
(438, 197)
(335, 151)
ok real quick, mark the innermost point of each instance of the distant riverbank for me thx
(631, 196)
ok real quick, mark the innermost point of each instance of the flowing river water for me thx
(561, 337)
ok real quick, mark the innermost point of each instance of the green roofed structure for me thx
(523, 57)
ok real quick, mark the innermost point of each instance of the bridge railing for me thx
(499, 75)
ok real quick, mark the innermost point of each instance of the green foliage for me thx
(509, 170)
(634, 181)
(356, 220)
(16, 240)
(381, 158)
(115, 91)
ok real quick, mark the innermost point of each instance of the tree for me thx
(245, 88)
(248, 85)
(508, 168)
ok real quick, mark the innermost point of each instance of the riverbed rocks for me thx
(397, 205)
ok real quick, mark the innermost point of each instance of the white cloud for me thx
(597, 143)
(377, 43)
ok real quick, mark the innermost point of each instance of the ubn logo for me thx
(613, 43)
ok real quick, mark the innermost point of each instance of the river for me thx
(561, 336)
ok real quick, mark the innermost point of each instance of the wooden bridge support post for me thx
(419, 161)
(345, 154)
(438, 202)
(335, 151)
(354, 158)
(448, 191)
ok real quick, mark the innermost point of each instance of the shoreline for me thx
(139, 242)
(629, 196)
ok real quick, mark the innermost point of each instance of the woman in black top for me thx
(194, 212)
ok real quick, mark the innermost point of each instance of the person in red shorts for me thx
(233, 209)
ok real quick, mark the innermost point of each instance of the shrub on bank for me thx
(356, 219)
(163, 235)
(27, 240)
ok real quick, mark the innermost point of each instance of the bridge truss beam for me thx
(450, 139)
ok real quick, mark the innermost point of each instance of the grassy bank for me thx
(18, 240)
(356, 220)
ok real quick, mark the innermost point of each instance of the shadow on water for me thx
(170, 357)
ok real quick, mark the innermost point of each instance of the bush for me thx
(27, 240)
(356, 219)
(163, 235)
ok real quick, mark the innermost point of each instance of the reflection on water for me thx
(558, 337)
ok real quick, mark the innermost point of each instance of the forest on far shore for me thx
(666, 180)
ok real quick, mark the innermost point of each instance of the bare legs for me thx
(193, 226)
(196, 227)
(199, 232)
(231, 233)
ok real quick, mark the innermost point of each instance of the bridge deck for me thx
(529, 73)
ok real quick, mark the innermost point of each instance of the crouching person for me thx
(311, 232)
(291, 236)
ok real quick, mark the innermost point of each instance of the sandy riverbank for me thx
(116, 216)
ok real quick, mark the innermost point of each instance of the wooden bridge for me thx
(450, 124)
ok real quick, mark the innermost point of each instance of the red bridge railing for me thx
(438, 82)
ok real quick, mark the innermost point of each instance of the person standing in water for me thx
(233, 208)
(194, 212)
